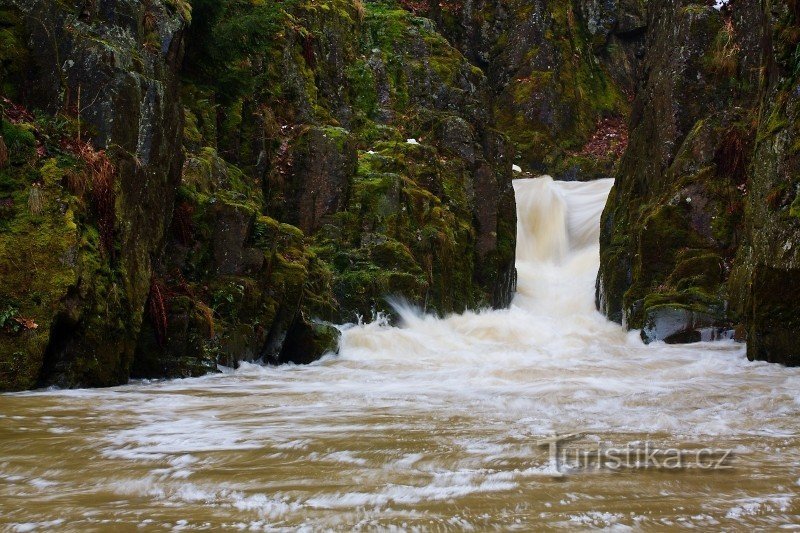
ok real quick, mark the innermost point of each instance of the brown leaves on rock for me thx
(103, 196)
(308, 50)
(422, 7)
(15, 113)
(26, 323)
(98, 176)
(609, 140)
(182, 225)
(14, 325)
(732, 155)
(415, 6)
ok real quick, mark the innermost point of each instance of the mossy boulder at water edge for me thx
(232, 282)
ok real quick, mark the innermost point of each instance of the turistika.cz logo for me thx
(569, 457)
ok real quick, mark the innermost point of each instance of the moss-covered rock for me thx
(301, 200)
(233, 281)
(555, 69)
(329, 140)
(698, 234)
(87, 192)
(764, 281)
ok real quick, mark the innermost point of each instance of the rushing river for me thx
(438, 424)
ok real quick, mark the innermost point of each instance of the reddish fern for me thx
(103, 196)
(157, 309)
(182, 226)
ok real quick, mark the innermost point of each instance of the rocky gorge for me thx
(191, 183)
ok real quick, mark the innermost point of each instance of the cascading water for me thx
(434, 424)
(553, 311)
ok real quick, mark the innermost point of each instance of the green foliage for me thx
(231, 43)
(20, 141)
(7, 316)
(361, 84)
(182, 7)
(794, 209)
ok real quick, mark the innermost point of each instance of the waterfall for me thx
(558, 228)
(557, 263)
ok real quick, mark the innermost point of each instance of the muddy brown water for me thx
(438, 424)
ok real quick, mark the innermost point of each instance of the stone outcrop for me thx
(89, 189)
(559, 73)
(699, 238)
(162, 215)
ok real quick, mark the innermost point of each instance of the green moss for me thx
(191, 130)
(39, 261)
(361, 83)
(697, 269)
(407, 225)
(550, 113)
(776, 120)
(794, 209)
(20, 141)
(14, 55)
(182, 7)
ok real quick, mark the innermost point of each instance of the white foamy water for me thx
(433, 424)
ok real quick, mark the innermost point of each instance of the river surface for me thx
(438, 424)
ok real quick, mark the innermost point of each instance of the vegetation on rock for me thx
(700, 221)
(297, 200)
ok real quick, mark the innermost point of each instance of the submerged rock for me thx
(679, 325)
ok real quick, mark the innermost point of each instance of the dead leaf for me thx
(26, 323)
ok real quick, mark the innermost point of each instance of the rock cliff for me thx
(91, 125)
(186, 185)
(561, 74)
(700, 236)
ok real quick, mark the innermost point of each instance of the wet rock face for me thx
(764, 282)
(369, 169)
(772, 313)
(556, 70)
(698, 235)
(100, 168)
(329, 162)
(231, 285)
(639, 246)
(325, 160)
(232, 226)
